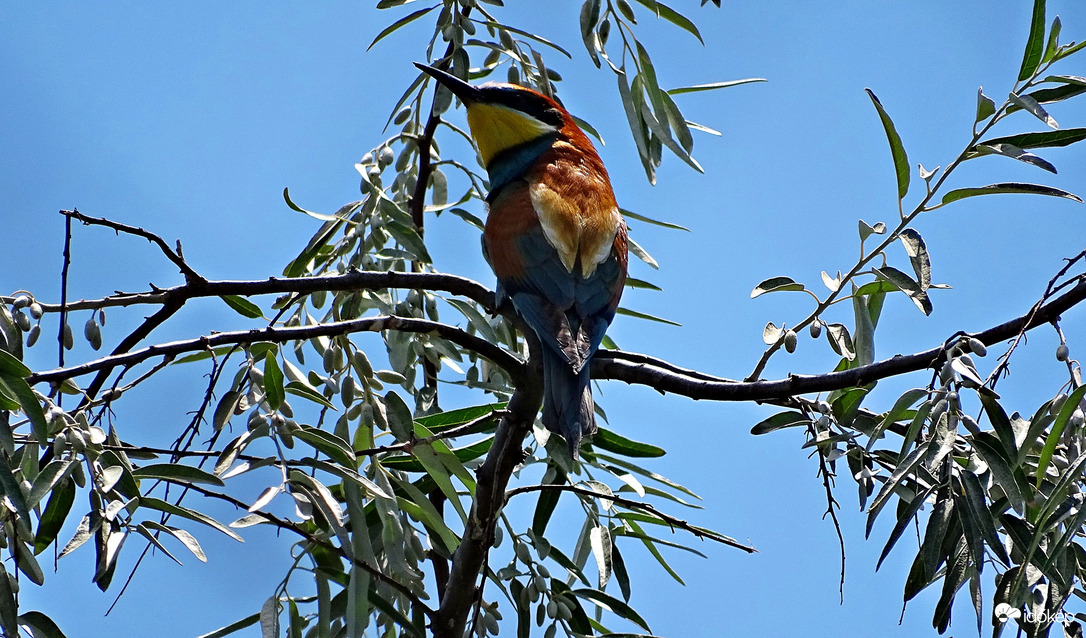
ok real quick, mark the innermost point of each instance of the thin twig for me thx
(700, 532)
(176, 257)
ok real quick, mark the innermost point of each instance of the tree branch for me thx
(642, 370)
(508, 362)
(492, 477)
(354, 280)
(176, 257)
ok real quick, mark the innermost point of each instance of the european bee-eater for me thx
(554, 236)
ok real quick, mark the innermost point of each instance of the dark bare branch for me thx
(508, 362)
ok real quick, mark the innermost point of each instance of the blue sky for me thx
(189, 120)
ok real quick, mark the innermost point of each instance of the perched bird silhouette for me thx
(554, 236)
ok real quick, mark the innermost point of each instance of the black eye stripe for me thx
(525, 102)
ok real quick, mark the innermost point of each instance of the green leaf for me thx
(840, 340)
(907, 285)
(9, 609)
(548, 500)
(47, 478)
(451, 418)
(1066, 410)
(42, 625)
(612, 604)
(1053, 40)
(632, 282)
(1008, 187)
(177, 473)
(1053, 94)
(896, 413)
(642, 254)
(590, 17)
(637, 128)
(184, 512)
(672, 16)
(982, 517)
(1027, 103)
(1013, 152)
(188, 540)
(985, 106)
(901, 160)
(399, 416)
(600, 538)
(31, 407)
(904, 468)
(649, 220)
(273, 382)
(1042, 139)
(308, 392)
(12, 367)
(243, 306)
(55, 514)
(990, 448)
(713, 86)
(409, 18)
(780, 421)
(642, 315)
(336, 448)
(9, 487)
(905, 517)
(776, 284)
(617, 444)
(1035, 44)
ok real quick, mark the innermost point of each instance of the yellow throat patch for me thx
(496, 128)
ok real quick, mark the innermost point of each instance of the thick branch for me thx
(357, 280)
(511, 364)
(642, 370)
(492, 478)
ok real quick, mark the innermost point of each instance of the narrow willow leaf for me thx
(1035, 44)
(1031, 105)
(9, 609)
(917, 250)
(269, 618)
(1013, 152)
(243, 306)
(1043, 139)
(1008, 187)
(649, 220)
(170, 508)
(613, 605)
(600, 537)
(990, 448)
(1000, 423)
(1054, 94)
(985, 106)
(840, 340)
(1068, 408)
(1053, 40)
(672, 16)
(632, 282)
(776, 284)
(273, 382)
(642, 315)
(409, 18)
(642, 254)
(713, 86)
(617, 444)
(901, 160)
(896, 413)
(336, 448)
(177, 473)
(637, 128)
(12, 367)
(12, 490)
(905, 517)
(780, 421)
(590, 17)
(41, 625)
(907, 285)
(904, 468)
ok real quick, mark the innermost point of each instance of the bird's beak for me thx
(467, 93)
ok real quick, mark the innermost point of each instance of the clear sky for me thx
(190, 119)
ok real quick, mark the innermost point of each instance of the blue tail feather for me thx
(568, 408)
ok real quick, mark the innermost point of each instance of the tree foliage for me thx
(390, 485)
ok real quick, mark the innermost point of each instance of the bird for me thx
(554, 236)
